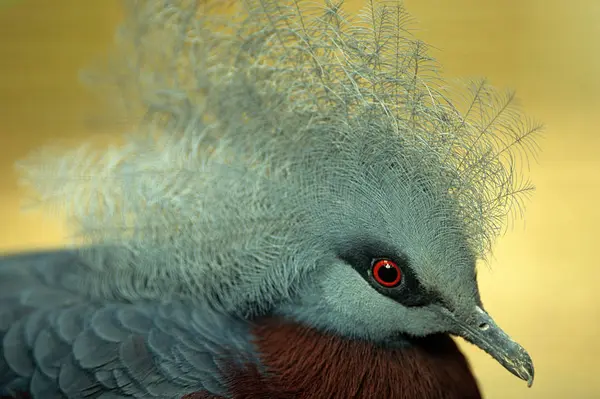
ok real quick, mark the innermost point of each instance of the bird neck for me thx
(301, 362)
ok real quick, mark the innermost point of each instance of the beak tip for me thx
(530, 371)
(530, 382)
(529, 379)
(527, 372)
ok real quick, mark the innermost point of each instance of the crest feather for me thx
(239, 117)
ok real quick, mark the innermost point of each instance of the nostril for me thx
(484, 326)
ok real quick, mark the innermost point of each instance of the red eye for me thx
(387, 273)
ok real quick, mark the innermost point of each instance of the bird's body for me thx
(57, 334)
(298, 215)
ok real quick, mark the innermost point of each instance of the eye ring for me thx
(386, 273)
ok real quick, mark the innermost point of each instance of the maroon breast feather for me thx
(302, 363)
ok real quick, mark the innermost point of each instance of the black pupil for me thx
(387, 273)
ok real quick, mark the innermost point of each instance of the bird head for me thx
(297, 162)
(389, 254)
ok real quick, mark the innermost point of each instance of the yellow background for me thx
(544, 286)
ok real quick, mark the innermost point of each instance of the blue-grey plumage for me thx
(286, 156)
(56, 343)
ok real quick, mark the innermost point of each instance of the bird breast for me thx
(299, 362)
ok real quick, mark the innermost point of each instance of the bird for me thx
(297, 209)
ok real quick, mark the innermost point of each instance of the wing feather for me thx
(57, 343)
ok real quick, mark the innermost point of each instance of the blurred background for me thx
(543, 284)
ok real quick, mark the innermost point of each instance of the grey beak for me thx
(481, 330)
